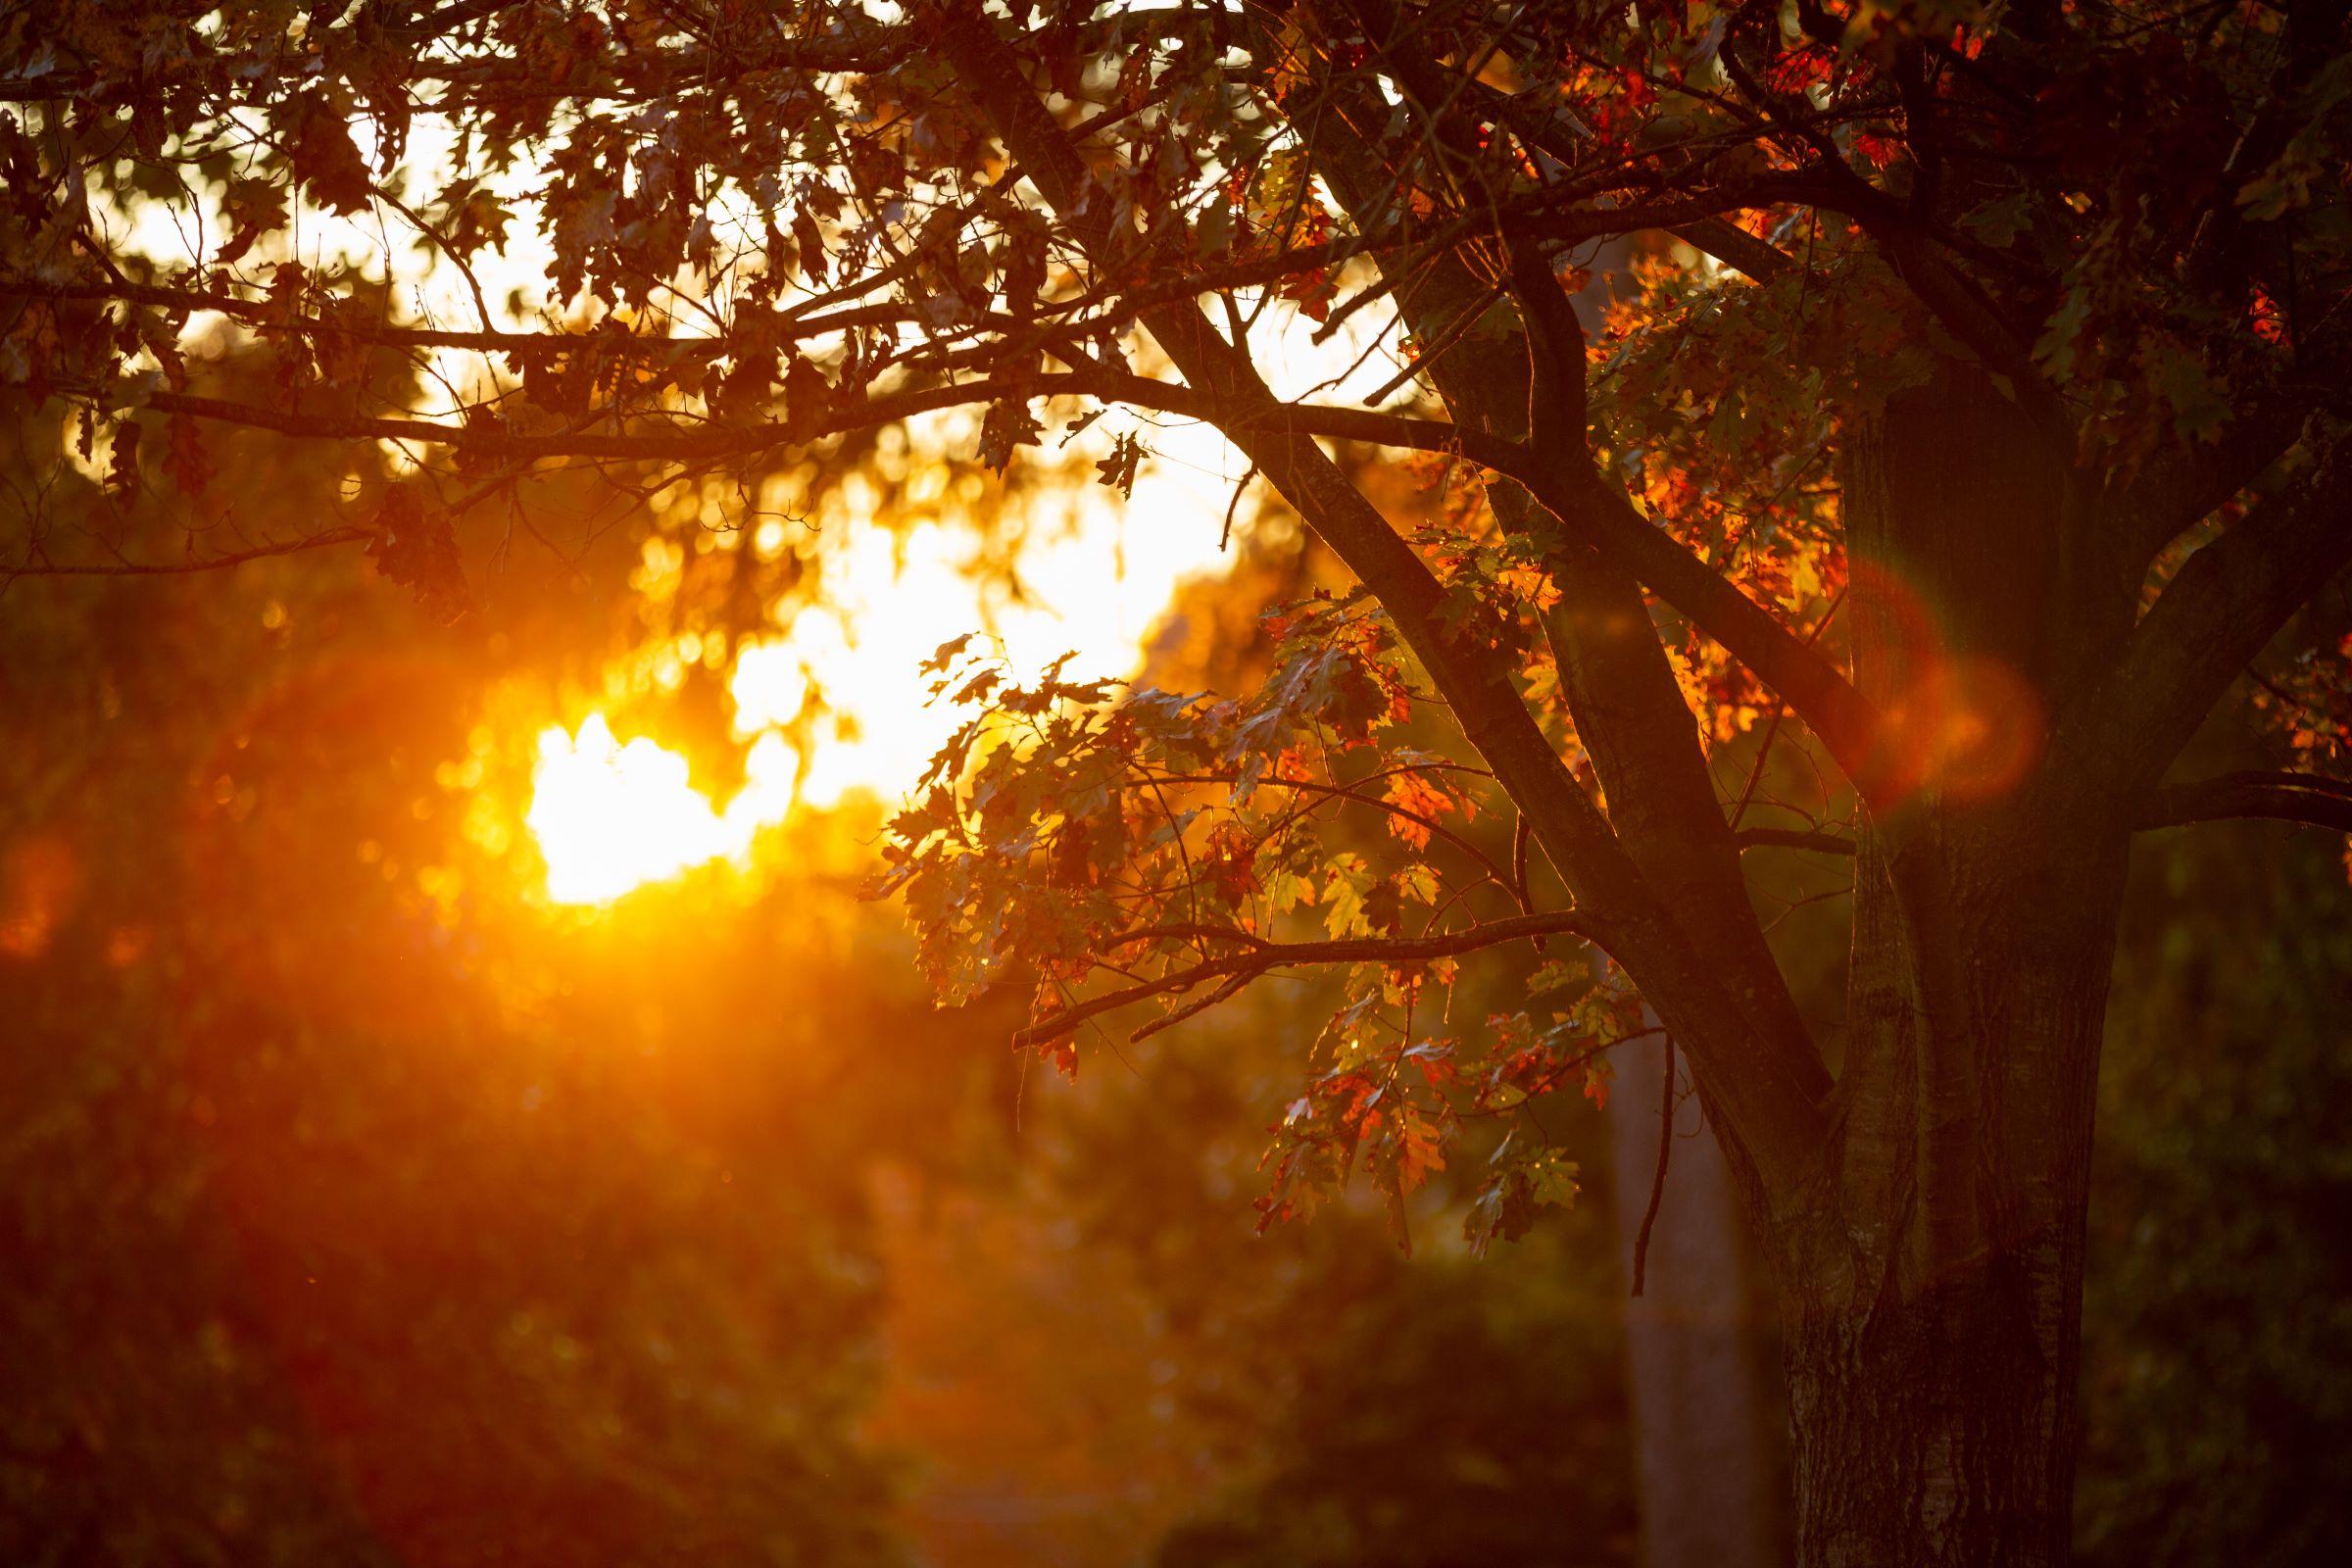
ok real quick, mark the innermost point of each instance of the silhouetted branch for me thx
(1258, 957)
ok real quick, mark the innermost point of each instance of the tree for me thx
(1966, 415)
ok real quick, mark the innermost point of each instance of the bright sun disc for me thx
(609, 817)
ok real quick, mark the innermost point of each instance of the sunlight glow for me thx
(608, 817)
(841, 675)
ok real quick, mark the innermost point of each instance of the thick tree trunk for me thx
(1931, 1298)
(1937, 1426)
(1930, 1283)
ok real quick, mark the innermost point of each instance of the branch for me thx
(2178, 490)
(132, 568)
(263, 314)
(1846, 722)
(864, 52)
(1962, 311)
(1792, 837)
(1773, 1104)
(1735, 247)
(1658, 1180)
(1245, 415)
(2304, 798)
(1548, 216)
(1627, 708)
(1428, 824)
(2230, 600)
(1258, 957)
(1556, 137)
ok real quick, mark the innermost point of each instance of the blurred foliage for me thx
(355, 1211)
(358, 1210)
(2218, 1396)
(363, 1208)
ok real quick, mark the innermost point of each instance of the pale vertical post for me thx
(1705, 1466)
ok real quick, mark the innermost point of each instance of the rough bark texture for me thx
(1932, 1308)
(1931, 1287)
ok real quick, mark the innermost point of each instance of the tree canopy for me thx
(1947, 396)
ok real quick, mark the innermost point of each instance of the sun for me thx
(1097, 580)
(608, 817)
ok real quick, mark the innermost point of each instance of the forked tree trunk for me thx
(1931, 1287)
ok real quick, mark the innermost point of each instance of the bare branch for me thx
(179, 568)
(1256, 958)
(2305, 798)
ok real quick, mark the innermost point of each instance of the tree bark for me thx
(1930, 1280)
(1932, 1289)
(1937, 1426)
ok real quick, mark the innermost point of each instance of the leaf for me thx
(944, 654)
(1118, 469)
(1411, 791)
(414, 547)
(1508, 1204)
(252, 207)
(807, 398)
(810, 241)
(473, 219)
(1009, 424)
(122, 462)
(185, 460)
(325, 159)
(1343, 897)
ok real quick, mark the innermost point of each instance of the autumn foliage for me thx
(1877, 432)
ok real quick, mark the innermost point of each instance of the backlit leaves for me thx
(1086, 839)
(413, 545)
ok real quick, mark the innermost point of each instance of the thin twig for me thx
(1657, 1182)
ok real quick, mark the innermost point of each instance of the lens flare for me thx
(609, 817)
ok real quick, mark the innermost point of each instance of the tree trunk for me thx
(1937, 1426)
(1932, 1299)
(1698, 1370)
(1930, 1283)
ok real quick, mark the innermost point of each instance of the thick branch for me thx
(2229, 599)
(1627, 707)
(2175, 492)
(1845, 721)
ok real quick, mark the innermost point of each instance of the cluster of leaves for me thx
(413, 545)
(1102, 845)
(768, 227)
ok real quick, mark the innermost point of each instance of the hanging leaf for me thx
(414, 547)
(1118, 469)
(122, 462)
(186, 460)
(326, 158)
(1009, 424)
